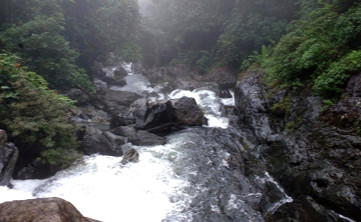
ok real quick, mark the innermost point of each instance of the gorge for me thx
(220, 171)
(180, 110)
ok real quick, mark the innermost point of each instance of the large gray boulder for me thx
(160, 118)
(120, 73)
(44, 209)
(158, 114)
(102, 142)
(116, 100)
(8, 158)
(187, 112)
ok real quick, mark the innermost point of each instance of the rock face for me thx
(45, 209)
(314, 155)
(157, 115)
(116, 100)
(184, 111)
(102, 142)
(188, 112)
(8, 158)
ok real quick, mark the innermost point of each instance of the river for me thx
(190, 178)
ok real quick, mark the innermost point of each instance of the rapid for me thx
(196, 176)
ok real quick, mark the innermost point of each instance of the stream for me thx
(190, 178)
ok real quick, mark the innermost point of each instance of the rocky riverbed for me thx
(217, 150)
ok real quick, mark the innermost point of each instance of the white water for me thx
(209, 103)
(101, 188)
(150, 190)
(285, 199)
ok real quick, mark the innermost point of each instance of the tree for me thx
(36, 118)
(37, 37)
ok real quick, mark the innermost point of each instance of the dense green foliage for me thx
(35, 117)
(59, 40)
(54, 37)
(219, 31)
(37, 38)
(321, 49)
(95, 28)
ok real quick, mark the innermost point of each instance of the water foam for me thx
(209, 102)
(101, 188)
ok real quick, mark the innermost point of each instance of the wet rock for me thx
(145, 138)
(134, 115)
(139, 138)
(130, 155)
(127, 131)
(26, 172)
(120, 73)
(90, 114)
(311, 159)
(157, 115)
(305, 209)
(44, 209)
(251, 102)
(225, 94)
(8, 158)
(116, 100)
(100, 86)
(163, 116)
(121, 119)
(187, 112)
(225, 78)
(137, 110)
(111, 78)
(102, 142)
(79, 96)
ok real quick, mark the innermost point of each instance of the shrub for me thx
(35, 117)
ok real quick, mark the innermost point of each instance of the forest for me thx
(48, 47)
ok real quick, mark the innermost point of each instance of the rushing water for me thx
(188, 179)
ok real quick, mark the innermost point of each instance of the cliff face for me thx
(314, 152)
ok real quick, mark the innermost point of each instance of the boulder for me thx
(120, 73)
(126, 131)
(138, 110)
(130, 155)
(139, 138)
(108, 76)
(156, 115)
(43, 209)
(116, 100)
(134, 115)
(188, 112)
(121, 119)
(8, 158)
(102, 142)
